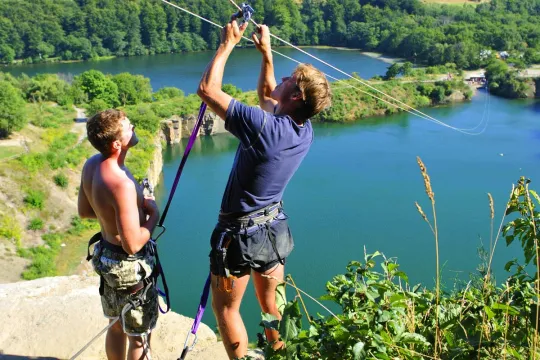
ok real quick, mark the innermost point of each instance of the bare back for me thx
(101, 180)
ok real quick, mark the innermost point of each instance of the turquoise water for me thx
(356, 190)
(184, 70)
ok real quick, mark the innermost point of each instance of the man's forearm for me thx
(267, 79)
(213, 75)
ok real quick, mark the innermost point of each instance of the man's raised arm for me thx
(267, 80)
(210, 86)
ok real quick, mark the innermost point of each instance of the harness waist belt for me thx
(254, 218)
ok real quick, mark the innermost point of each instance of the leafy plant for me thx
(35, 199)
(35, 224)
(61, 180)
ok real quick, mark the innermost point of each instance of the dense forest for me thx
(469, 36)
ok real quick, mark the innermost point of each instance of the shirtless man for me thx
(123, 258)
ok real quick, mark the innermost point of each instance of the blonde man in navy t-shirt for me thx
(252, 237)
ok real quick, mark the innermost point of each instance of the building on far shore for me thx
(477, 79)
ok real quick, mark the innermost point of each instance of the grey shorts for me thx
(259, 247)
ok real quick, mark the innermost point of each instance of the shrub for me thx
(35, 224)
(10, 229)
(61, 180)
(35, 199)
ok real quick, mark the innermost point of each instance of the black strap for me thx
(274, 246)
(159, 272)
(94, 239)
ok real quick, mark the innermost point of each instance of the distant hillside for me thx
(422, 33)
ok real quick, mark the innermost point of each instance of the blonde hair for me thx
(315, 89)
(104, 128)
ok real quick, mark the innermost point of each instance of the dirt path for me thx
(79, 126)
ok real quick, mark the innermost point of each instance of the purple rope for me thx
(192, 138)
(202, 306)
(198, 318)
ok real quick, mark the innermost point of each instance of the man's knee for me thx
(117, 327)
(136, 341)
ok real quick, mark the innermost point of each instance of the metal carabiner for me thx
(188, 348)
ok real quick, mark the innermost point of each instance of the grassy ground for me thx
(10, 151)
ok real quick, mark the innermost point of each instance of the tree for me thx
(132, 89)
(393, 71)
(11, 109)
(97, 86)
(406, 68)
(7, 54)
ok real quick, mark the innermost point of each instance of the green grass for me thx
(9, 151)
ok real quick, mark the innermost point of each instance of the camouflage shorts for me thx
(119, 272)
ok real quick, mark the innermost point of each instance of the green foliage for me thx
(350, 105)
(11, 109)
(504, 81)
(95, 106)
(143, 117)
(382, 317)
(35, 199)
(47, 87)
(10, 229)
(79, 226)
(132, 89)
(35, 224)
(431, 34)
(43, 257)
(393, 71)
(140, 157)
(95, 85)
(526, 228)
(61, 180)
(7, 54)
(166, 93)
(33, 162)
(231, 90)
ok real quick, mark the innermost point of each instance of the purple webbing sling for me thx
(198, 318)
(192, 138)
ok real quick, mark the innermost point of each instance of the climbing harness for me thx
(138, 293)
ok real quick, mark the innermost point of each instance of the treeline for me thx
(93, 91)
(96, 91)
(468, 36)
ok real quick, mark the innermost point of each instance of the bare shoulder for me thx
(91, 163)
(122, 187)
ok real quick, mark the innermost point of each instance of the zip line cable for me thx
(346, 74)
(412, 110)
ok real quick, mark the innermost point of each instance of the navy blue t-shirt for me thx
(270, 151)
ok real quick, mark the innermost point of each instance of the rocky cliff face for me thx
(156, 166)
(176, 128)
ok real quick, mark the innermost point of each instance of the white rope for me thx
(352, 77)
(126, 308)
(412, 110)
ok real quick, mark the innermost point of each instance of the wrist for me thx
(226, 46)
(267, 56)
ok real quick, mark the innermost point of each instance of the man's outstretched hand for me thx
(231, 34)
(262, 42)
